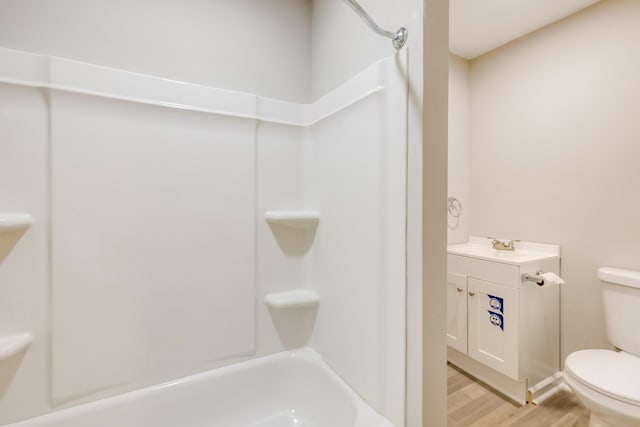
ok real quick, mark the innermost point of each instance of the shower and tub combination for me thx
(182, 254)
(284, 389)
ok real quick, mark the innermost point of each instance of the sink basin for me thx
(526, 252)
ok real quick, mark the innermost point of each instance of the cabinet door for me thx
(493, 325)
(457, 311)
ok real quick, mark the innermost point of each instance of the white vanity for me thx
(502, 326)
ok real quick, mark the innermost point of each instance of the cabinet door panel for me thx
(457, 311)
(493, 325)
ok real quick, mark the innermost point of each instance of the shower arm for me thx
(399, 38)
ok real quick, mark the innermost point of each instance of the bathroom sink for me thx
(525, 252)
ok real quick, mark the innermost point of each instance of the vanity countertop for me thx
(524, 253)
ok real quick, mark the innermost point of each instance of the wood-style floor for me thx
(471, 403)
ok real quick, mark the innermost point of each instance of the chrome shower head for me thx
(401, 38)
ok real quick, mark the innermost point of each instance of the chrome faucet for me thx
(500, 245)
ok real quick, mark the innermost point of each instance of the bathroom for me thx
(543, 141)
(330, 227)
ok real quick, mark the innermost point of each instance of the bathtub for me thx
(282, 390)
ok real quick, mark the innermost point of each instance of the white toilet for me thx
(607, 382)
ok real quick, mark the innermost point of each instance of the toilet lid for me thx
(615, 374)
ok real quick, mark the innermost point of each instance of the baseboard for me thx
(546, 388)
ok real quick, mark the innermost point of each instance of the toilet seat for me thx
(614, 374)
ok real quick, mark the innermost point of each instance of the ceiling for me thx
(478, 26)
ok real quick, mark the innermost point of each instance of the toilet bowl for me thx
(608, 382)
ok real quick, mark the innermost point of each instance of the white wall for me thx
(459, 119)
(554, 151)
(219, 43)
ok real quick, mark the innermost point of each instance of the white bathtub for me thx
(282, 390)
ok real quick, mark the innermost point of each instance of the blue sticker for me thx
(496, 303)
(496, 319)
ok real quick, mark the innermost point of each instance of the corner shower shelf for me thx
(292, 299)
(294, 219)
(14, 344)
(14, 222)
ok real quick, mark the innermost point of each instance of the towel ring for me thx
(454, 206)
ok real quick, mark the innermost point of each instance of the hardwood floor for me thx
(471, 403)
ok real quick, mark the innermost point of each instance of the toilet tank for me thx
(621, 298)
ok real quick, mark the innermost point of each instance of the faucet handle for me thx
(493, 240)
(511, 244)
(503, 245)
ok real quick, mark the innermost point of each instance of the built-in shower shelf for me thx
(292, 299)
(294, 219)
(14, 222)
(14, 344)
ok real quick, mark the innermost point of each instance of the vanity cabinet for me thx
(501, 329)
(457, 311)
(480, 325)
(493, 326)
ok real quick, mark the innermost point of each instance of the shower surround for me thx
(150, 253)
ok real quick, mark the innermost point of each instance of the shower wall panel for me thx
(279, 264)
(153, 250)
(24, 260)
(333, 25)
(355, 175)
(142, 262)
